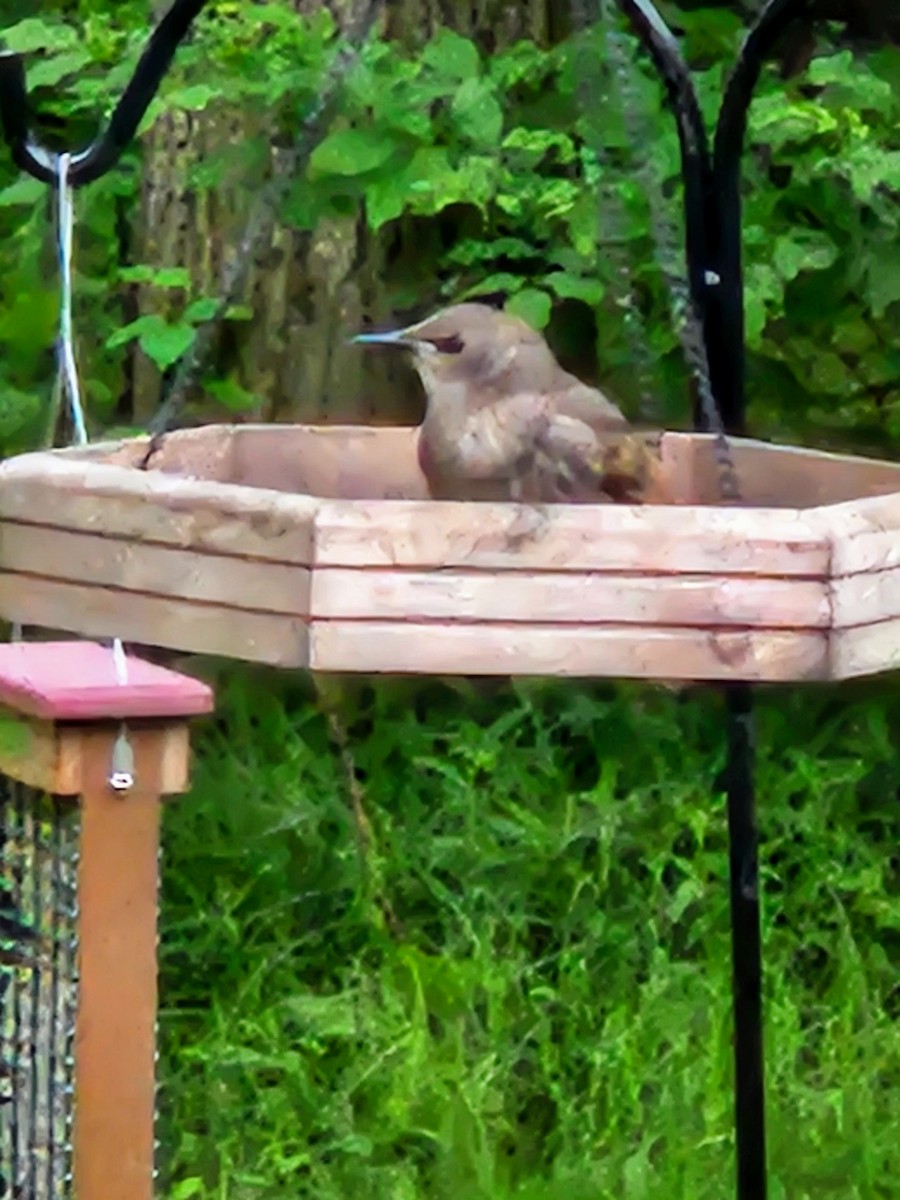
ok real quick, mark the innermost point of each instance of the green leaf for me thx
(535, 144)
(34, 35)
(575, 287)
(163, 277)
(203, 309)
(502, 281)
(187, 1189)
(232, 395)
(140, 273)
(477, 112)
(851, 83)
(473, 250)
(883, 278)
(349, 152)
(424, 185)
(165, 344)
(803, 250)
(532, 306)
(194, 98)
(450, 55)
(172, 277)
(51, 71)
(828, 373)
(25, 191)
(160, 341)
(870, 168)
(763, 285)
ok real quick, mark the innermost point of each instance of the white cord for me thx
(122, 768)
(67, 379)
(120, 662)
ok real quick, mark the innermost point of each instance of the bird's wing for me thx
(580, 463)
(587, 404)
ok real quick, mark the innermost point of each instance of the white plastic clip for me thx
(121, 776)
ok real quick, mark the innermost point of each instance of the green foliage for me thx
(521, 987)
(502, 151)
(511, 983)
(822, 240)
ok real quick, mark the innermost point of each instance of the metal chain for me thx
(613, 225)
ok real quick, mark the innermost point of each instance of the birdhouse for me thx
(318, 548)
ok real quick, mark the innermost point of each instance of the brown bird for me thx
(505, 421)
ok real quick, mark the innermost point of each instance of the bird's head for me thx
(472, 344)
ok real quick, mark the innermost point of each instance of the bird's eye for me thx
(448, 345)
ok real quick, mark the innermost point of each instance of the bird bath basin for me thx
(318, 547)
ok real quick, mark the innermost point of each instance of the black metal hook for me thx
(103, 153)
(712, 200)
(725, 319)
(696, 162)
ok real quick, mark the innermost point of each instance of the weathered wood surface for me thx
(790, 476)
(568, 598)
(99, 612)
(146, 507)
(632, 652)
(866, 650)
(142, 567)
(502, 537)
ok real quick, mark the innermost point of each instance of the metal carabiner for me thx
(106, 150)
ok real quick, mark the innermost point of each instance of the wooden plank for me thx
(556, 596)
(867, 650)
(115, 1026)
(150, 506)
(866, 598)
(790, 476)
(676, 454)
(614, 651)
(667, 540)
(338, 461)
(204, 453)
(154, 621)
(865, 534)
(137, 566)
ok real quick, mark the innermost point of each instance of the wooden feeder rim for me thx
(77, 681)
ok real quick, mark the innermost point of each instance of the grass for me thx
(508, 978)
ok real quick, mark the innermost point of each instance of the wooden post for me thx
(68, 714)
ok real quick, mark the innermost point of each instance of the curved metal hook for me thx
(103, 153)
(726, 325)
(696, 167)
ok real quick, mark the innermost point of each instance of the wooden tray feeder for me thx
(317, 547)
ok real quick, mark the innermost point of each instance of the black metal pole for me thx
(712, 202)
(103, 153)
(746, 947)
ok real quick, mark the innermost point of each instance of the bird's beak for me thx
(395, 337)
